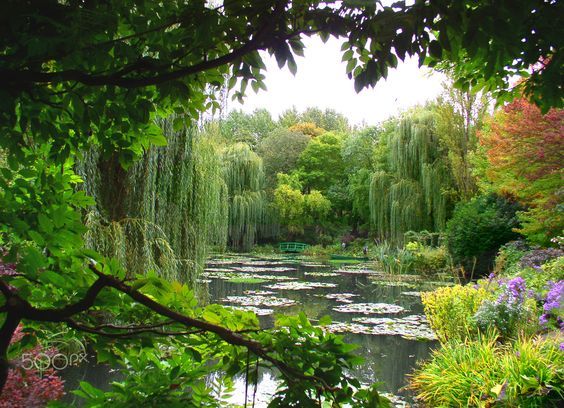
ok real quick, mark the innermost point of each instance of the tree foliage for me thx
(297, 210)
(247, 128)
(411, 195)
(165, 211)
(244, 177)
(321, 165)
(280, 151)
(524, 151)
(478, 228)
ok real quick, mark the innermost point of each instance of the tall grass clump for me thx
(486, 373)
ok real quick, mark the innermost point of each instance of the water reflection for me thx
(388, 358)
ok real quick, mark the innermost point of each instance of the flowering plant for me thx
(30, 387)
(553, 306)
(508, 311)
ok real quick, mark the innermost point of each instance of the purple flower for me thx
(543, 320)
(514, 293)
(561, 347)
(554, 296)
(537, 257)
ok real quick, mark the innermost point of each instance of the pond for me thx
(383, 314)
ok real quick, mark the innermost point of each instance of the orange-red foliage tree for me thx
(525, 152)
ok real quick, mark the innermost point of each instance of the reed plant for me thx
(486, 373)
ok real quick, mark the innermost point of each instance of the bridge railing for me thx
(292, 246)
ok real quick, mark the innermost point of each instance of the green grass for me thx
(484, 373)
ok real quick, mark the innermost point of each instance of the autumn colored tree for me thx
(307, 128)
(525, 152)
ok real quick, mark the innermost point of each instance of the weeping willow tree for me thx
(413, 193)
(165, 211)
(244, 176)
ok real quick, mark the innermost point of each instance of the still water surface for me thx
(232, 280)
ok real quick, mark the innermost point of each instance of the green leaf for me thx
(292, 65)
(45, 223)
(325, 320)
(54, 278)
(351, 65)
(347, 55)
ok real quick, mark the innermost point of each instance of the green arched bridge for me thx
(292, 246)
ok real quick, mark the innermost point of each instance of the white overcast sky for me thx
(321, 82)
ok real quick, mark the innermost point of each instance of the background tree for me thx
(410, 196)
(247, 128)
(280, 151)
(321, 164)
(525, 152)
(460, 116)
(307, 128)
(329, 119)
(244, 177)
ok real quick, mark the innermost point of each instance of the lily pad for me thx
(219, 275)
(259, 292)
(256, 310)
(413, 327)
(314, 265)
(218, 270)
(341, 297)
(356, 271)
(394, 283)
(301, 285)
(264, 269)
(321, 274)
(238, 277)
(369, 308)
(265, 263)
(256, 300)
(245, 279)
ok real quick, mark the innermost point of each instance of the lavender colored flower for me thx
(554, 296)
(514, 292)
(561, 347)
(543, 320)
(536, 258)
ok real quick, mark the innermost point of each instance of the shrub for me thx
(428, 260)
(28, 386)
(538, 278)
(478, 228)
(450, 311)
(484, 373)
(509, 256)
